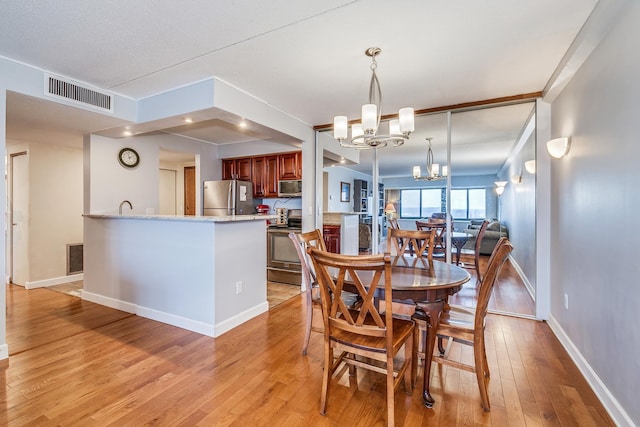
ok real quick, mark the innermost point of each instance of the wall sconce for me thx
(530, 166)
(500, 187)
(516, 179)
(558, 147)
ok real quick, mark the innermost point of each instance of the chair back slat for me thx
(496, 261)
(403, 242)
(439, 225)
(303, 241)
(363, 275)
(476, 248)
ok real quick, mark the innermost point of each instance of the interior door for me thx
(190, 190)
(167, 200)
(19, 205)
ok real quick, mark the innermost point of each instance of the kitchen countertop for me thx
(335, 218)
(230, 218)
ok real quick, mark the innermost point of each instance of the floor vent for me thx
(75, 258)
(78, 93)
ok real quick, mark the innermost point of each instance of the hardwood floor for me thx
(77, 363)
(509, 293)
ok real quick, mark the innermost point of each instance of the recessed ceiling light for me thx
(188, 120)
(242, 124)
(127, 133)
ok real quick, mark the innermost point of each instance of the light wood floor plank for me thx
(88, 365)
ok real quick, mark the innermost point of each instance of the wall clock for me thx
(128, 157)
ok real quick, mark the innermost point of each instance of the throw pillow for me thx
(494, 226)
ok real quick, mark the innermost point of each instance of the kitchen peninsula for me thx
(205, 274)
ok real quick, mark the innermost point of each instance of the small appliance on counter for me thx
(262, 209)
(282, 218)
(294, 218)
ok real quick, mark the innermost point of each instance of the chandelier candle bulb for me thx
(417, 172)
(340, 127)
(369, 118)
(394, 127)
(407, 123)
(435, 169)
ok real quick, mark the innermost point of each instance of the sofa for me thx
(495, 230)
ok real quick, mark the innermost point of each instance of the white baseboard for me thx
(4, 351)
(610, 403)
(53, 281)
(240, 318)
(179, 321)
(109, 302)
(525, 280)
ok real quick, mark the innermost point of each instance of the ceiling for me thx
(303, 57)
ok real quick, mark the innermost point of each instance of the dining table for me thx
(428, 286)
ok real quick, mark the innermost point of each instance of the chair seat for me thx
(401, 329)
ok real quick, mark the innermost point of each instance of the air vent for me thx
(75, 259)
(78, 93)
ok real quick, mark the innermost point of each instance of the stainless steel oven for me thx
(283, 264)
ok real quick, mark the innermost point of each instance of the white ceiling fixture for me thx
(433, 169)
(365, 134)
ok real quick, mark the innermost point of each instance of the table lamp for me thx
(389, 209)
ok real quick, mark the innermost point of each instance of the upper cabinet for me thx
(237, 169)
(264, 171)
(291, 165)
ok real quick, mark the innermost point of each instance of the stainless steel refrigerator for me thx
(227, 197)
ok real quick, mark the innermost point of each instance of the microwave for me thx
(290, 188)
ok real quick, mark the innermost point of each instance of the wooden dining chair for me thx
(467, 327)
(393, 224)
(439, 225)
(411, 246)
(366, 337)
(303, 241)
(476, 250)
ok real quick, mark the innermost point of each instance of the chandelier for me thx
(433, 169)
(365, 135)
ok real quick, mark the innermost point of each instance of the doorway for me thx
(190, 190)
(18, 213)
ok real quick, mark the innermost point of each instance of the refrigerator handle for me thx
(229, 198)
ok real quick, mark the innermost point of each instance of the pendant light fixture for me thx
(433, 169)
(366, 134)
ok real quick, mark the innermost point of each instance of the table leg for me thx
(433, 311)
(458, 250)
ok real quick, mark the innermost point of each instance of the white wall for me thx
(55, 217)
(54, 191)
(519, 211)
(595, 203)
(335, 176)
(4, 348)
(110, 183)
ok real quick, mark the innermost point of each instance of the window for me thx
(421, 203)
(466, 203)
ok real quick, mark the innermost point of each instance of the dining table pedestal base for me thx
(433, 310)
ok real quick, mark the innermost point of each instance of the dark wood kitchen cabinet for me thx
(258, 171)
(237, 169)
(331, 236)
(271, 176)
(291, 165)
(264, 171)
